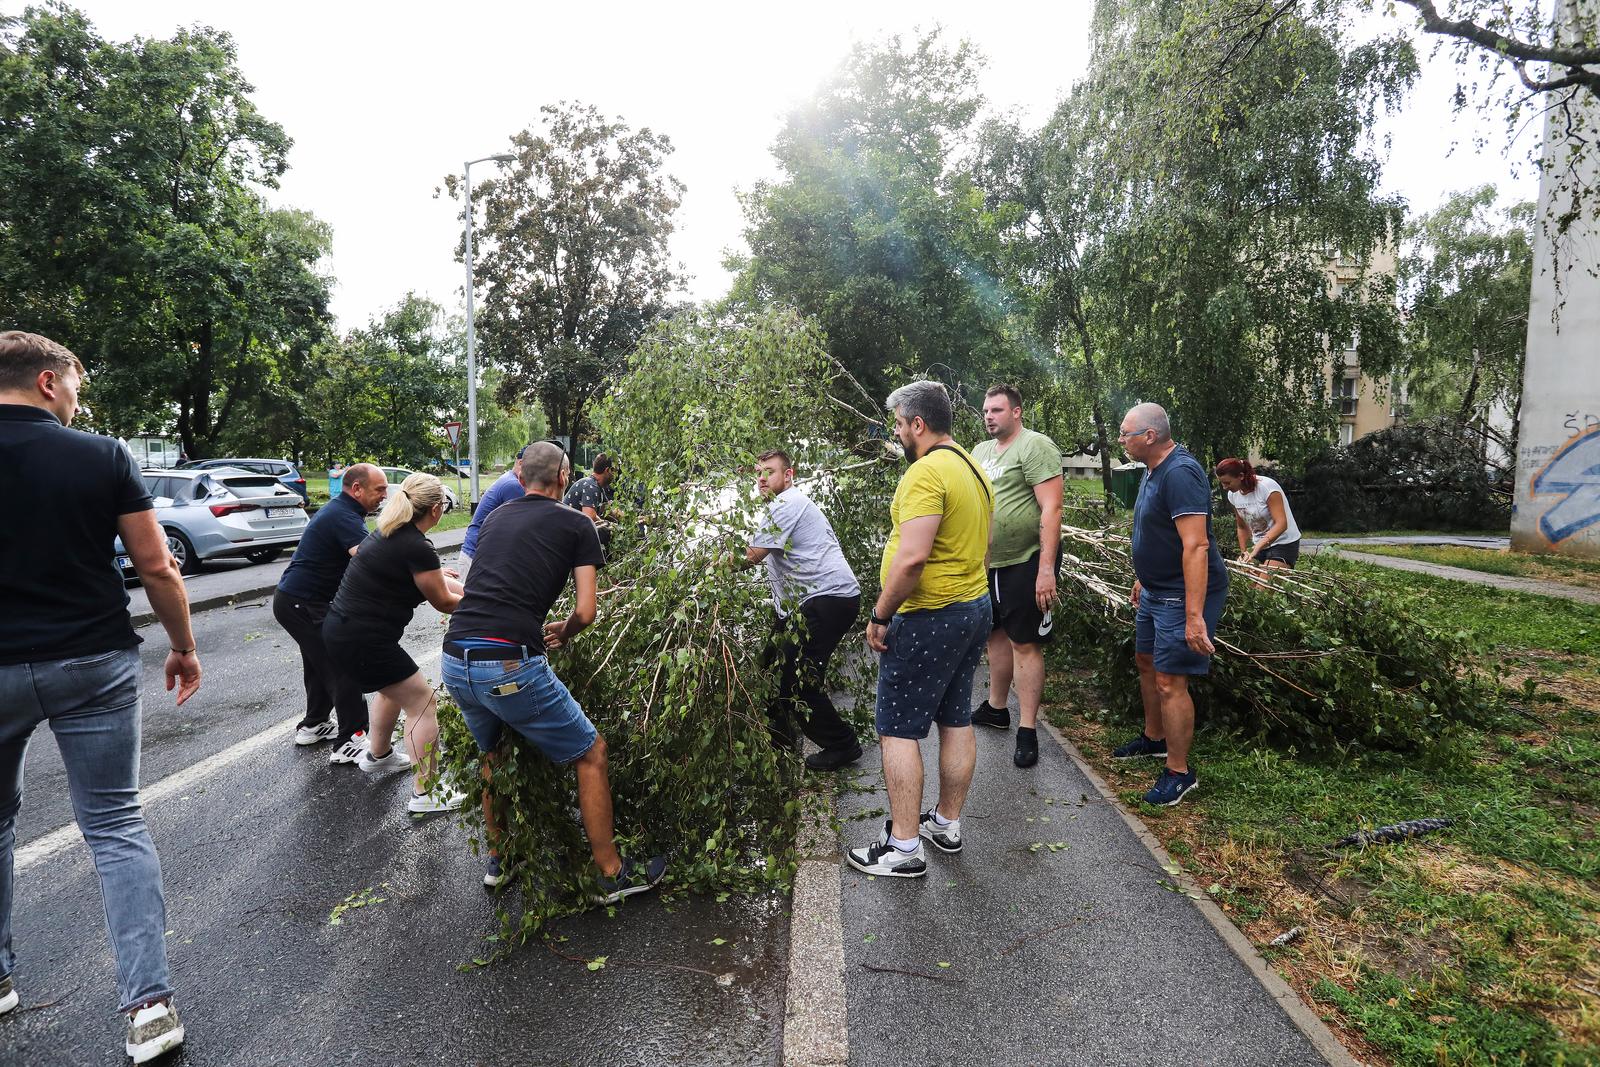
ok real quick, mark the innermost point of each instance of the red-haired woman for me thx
(1261, 513)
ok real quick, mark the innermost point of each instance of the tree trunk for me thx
(1096, 404)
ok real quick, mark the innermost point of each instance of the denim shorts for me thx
(926, 676)
(540, 709)
(1158, 631)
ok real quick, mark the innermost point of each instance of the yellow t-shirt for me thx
(941, 483)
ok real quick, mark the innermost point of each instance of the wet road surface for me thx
(259, 853)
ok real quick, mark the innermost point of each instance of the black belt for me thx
(503, 652)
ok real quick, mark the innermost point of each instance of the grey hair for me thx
(925, 400)
(1152, 417)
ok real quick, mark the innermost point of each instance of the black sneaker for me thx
(946, 838)
(1140, 746)
(986, 715)
(883, 859)
(633, 878)
(831, 759)
(1027, 748)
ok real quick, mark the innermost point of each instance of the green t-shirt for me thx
(1032, 458)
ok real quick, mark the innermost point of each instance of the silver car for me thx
(222, 512)
(396, 475)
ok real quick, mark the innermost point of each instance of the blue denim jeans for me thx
(531, 700)
(92, 706)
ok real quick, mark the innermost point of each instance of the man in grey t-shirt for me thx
(810, 578)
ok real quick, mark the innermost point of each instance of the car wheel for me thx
(264, 555)
(182, 550)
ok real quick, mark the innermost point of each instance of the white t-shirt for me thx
(1253, 507)
(804, 560)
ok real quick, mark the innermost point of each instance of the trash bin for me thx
(1125, 483)
(335, 482)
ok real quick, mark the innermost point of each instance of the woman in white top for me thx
(1261, 511)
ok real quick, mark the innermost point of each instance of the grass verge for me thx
(1479, 944)
(1582, 572)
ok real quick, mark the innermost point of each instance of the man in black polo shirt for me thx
(69, 657)
(494, 660)
(301, 602)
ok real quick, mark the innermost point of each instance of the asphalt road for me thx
(257, 855)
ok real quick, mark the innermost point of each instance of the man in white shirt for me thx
(810, 578)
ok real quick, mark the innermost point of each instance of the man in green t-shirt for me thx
(1024, 562)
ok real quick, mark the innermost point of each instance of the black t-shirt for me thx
(324, 550)
(526, 552)
(379, 593)
(60, 588)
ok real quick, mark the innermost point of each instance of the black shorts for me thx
(1011, 589)
(1287, 554)
(369, 660)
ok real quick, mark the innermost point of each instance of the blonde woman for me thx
(395, 569)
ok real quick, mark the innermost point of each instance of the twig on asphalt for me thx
(1025, 938)
(50, 1003)
(913, 974)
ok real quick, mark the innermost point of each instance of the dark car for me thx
(281, 469)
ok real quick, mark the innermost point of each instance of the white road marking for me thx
(64, 837)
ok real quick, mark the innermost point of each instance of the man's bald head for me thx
(362, 474)
(542, 463)
(1148, 416)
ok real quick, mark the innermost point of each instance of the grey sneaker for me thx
(946, 838)
(393, 760)
(882, 858)
(153, 1030)
(8, 995)
(633, 878)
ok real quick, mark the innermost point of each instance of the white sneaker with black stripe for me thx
(315, 735)
(881, 859)
(946, 838)
(352, 750)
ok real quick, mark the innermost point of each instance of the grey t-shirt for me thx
(805, 560)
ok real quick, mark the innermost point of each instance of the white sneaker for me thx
(428, 803)
(8, 995)
(395, 760)
(311, 735)
(152, 1031)
(352, 750)
(882, 859)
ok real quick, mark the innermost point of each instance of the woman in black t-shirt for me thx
(394, 570)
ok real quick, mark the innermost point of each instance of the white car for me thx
(396, 475)
(222, 512)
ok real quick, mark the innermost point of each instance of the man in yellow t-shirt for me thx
(929, 626)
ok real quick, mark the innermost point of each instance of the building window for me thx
(1345, 394)
(1347, 432)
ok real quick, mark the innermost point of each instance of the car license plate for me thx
(124, 563)
(282, 513)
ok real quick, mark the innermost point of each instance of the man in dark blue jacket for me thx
(304, 593)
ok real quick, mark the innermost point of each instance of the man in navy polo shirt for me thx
(1179, 589)
(301, 602)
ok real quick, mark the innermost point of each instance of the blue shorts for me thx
(1158, 630)
(926, 676)
(540, 709)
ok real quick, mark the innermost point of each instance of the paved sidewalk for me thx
(228, 582)
(1536, 586)
(1078, 955)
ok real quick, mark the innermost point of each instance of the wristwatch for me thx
(877, 621)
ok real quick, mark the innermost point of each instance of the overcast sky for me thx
(381, 106)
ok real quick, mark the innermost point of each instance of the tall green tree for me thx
(573, 257)
(1467, 275)
(1225, 200)
(131, 228)
(877, 229)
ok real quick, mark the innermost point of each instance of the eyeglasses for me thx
(1123, 435)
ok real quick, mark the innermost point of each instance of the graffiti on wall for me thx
(1573, 475)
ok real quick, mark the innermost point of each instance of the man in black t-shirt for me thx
(494, 661)
(69, 656)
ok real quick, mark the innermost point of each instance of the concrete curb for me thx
(816, 1030)
(1299, 1012)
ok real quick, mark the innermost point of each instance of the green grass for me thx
(1479, 944)
(1336, 535)
(1585, 572)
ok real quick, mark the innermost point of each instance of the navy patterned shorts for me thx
(926, 676)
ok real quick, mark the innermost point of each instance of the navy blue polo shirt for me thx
(324, 551)
(59, 583)
(1177, 486)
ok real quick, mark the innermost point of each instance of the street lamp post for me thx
(472, 360)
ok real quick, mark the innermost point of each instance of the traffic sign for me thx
(452, 430)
